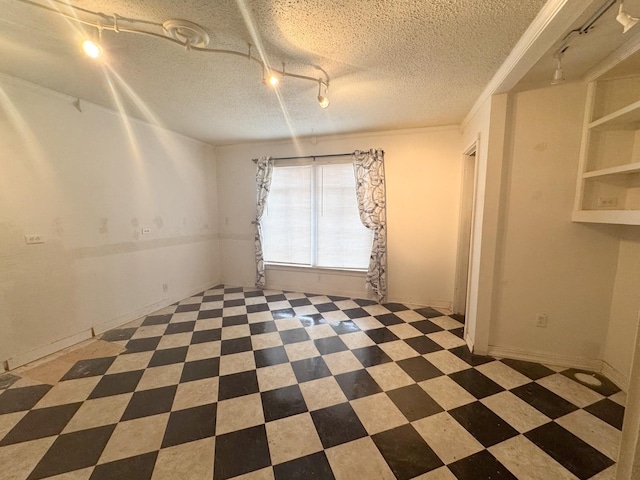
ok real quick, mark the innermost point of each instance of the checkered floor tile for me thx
(259, 384)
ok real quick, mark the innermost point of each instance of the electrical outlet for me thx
(34, 238)
(607, 202)
(146, 231)
(541, 320)
(165, 287)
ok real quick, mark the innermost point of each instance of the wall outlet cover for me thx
(607, 202)
(541, 320)
(33, 238)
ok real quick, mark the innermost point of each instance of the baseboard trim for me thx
(469, 341)
(146, 310)
(546, 358)
(322, 291)
(58, 345)
(46, 350)
(362, 294)
(616, 376)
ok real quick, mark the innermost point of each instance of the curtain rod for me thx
(255, 160)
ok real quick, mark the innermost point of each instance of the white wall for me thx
(546, 263)
(423, 172)
(625, 308)
(90, 187)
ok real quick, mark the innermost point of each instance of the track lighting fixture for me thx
(626, 20)
(187, 34)
(323, 100)
(558, 75)
(273, 80)
(91, 48)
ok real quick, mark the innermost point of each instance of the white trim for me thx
(347, 272)
(469, 341)
(621, 53)
(146, 310)
(551, 22)
(439, 304)
(464, 249)
(323, 291)
(584, 145)
(46, 350)
(616, 376)
(546, 358)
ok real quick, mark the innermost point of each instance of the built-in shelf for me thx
(626, 118)
(627, 169)
(608, 183)
(618, 217)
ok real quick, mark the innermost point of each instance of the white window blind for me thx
(312, 218)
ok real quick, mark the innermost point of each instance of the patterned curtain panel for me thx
(370, 190)
(263, 182)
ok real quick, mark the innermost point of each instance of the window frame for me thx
(313, 266)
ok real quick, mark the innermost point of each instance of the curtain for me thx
(264, 173)
(370, 191)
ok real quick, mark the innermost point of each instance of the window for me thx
(312, 218)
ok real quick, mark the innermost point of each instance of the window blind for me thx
(312, 218)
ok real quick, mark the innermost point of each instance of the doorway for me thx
(465, 228)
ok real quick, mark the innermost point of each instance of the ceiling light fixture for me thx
(181, 32)
(91, 48)
(626, 20)
(273, 80)
(586, 27)
(558, 75)
(323, 100)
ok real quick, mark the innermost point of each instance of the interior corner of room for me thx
(520, 209)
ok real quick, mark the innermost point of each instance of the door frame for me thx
(465, 245)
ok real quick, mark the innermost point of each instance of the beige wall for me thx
(423, 172)
(546, 263)
(90, 187)
(625, 306)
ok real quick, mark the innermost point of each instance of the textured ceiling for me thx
(393, 64)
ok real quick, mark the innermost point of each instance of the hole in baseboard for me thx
(587, 379)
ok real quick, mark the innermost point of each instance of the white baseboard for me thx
(51, 348)
(321, 291)
(469, 341)
(439, 304)
(616, 376)
(146, 310)
(45, 350)
(360, 293)
(546, 358)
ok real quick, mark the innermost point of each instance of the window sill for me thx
(283, 267)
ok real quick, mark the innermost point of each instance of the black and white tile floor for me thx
(261, 384)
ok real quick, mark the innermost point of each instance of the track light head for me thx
(626, 20)
(322, 99)
(558, 75)
(273, 80)
(91, 49)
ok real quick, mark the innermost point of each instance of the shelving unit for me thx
(627, 118)
(608, 184)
